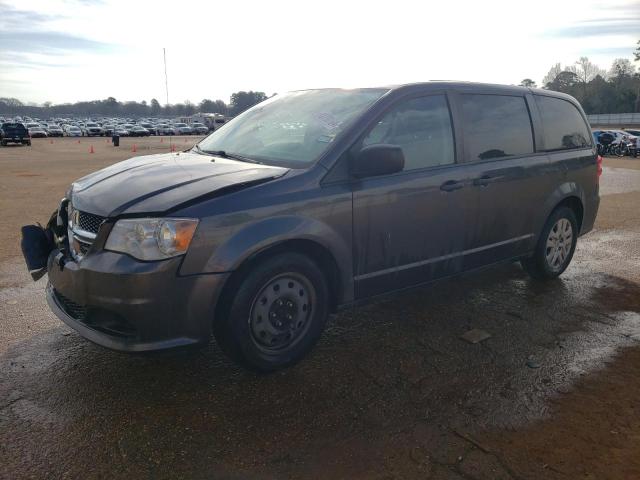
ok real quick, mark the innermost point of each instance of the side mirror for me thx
(375, 160)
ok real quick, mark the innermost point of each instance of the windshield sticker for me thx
(327, 120)
(326, 138)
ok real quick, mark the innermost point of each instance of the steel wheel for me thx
(559, 243)
(281, 311)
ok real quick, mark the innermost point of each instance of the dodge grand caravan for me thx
(311, 201)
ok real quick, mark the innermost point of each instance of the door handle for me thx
(451, 185)
(484, 180)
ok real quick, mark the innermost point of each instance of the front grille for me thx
(78, 312)
(89, 222)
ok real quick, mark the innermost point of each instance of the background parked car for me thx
(138, 131)
(108, 129)
(150, 127)
(37, 132)
(90, 129)
(54, 131)
(182, 129)
(199, 129)
(13, 132)
(73, 131)
(165, 129)
(121, 131)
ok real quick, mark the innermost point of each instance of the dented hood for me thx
(157, 183)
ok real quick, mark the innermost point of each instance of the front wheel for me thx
(555, 246)
(277, 314)
(618, 151)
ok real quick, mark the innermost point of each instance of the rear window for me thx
(496, 126)
(563, 126)
(14, 127)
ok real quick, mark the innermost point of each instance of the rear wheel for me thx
(555, 247)
(277, 314)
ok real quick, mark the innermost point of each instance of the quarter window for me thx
(496, 126)
(563, 126)
(422, 128)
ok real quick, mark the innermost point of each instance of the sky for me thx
(70, 50)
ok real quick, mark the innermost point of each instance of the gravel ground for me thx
(391, 391)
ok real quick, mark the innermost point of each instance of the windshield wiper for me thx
(225, 154)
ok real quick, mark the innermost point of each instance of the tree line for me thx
(110, 107)
(616, 90)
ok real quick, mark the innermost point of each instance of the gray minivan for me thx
(312, 201)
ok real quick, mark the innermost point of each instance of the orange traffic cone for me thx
(78, 140)
(134, 149)
(91, 149)
(173, 147)
(161, 140)
(51, 141)
(106, 140)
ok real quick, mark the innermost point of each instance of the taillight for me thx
(599, 163)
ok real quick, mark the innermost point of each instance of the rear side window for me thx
(496, 126)
(563, 126)
(422, 128)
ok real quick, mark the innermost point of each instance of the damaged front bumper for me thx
(125, 304)
(117, 301)
(37, 241)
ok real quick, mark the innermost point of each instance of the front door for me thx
(412, 226)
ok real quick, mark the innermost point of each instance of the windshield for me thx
(293, 129)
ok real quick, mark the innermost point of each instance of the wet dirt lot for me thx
(391, 391)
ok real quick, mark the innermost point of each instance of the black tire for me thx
(245, 331)
(539, 266)
(3, 143)
(619, 151)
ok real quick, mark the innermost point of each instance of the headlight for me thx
(152, 238)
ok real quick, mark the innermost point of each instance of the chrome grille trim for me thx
(83, 235)
(82, 229)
